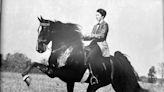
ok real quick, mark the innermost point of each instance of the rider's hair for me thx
(102, 12)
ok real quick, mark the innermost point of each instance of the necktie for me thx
(98, 25)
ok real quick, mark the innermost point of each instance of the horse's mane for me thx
(68, 31)
(71, 27)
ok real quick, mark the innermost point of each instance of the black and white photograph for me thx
(82, 45)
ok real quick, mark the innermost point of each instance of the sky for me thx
(135, 26)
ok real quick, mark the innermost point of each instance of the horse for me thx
(66, 41)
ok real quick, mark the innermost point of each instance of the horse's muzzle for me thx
(40, 51)
(41, 48)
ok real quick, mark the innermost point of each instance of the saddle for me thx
(87, 49)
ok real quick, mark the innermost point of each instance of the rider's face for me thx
(99, 17)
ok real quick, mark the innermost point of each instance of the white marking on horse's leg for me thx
(25, 77)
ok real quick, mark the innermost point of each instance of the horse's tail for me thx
(124, 58)
(121, 56)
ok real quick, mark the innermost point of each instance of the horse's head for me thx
(44, 35)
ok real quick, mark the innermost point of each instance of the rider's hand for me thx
(94, 36)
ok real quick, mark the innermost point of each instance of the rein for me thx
(112, 69)
(58, 49)
(38, 28)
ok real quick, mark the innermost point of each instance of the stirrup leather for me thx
(93, 79)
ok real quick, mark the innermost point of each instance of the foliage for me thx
(16, 62)
(143, 79)
(161, 72)
(151, 75)
(161, 69)
(1, 59)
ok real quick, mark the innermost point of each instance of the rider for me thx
(98, 34)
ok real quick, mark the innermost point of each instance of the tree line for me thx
(152, 72)
(16, 62)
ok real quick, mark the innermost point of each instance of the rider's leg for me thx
(86, 54)
(93, 79)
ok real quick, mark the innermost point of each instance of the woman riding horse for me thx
(66, 40)
(98, 35)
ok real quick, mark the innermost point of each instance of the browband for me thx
(44, 24)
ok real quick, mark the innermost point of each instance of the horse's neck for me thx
(77, 47)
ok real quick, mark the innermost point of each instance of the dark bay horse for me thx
(66, 38)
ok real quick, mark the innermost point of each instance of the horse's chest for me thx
(61, 60)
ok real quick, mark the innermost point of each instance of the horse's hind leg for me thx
(70, 86)
(93, 88)
(45, 69)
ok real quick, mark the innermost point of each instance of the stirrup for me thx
(93, 80)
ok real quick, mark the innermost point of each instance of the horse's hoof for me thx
(27, 79)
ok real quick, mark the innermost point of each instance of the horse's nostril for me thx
(38, 50)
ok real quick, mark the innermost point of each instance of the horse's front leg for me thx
(44, 68)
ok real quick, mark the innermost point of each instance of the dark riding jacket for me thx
(99, 34)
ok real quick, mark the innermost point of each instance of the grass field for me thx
(12, 82)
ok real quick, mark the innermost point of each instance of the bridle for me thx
(38, 30)
(112, 69)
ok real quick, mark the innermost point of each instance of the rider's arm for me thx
(91, 36)
(102, 33)
(87, 38)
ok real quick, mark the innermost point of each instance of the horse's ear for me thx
(39, 19)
